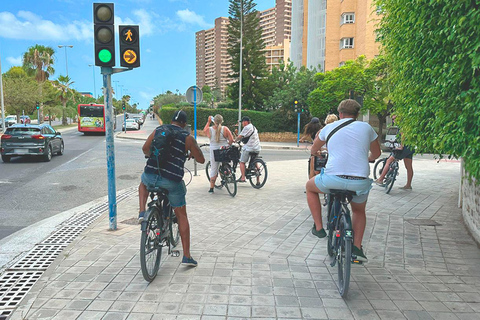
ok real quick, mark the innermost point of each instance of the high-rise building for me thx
(213, 62)
(325, 34)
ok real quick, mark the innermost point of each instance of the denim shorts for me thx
(176, 190)
(326, 182)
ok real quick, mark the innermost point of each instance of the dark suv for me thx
(31, 140)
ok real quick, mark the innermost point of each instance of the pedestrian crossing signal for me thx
(129, 46)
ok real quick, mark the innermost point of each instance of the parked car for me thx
(138, 118)
(10, 120)
(391, 135)
(25, 119)
(131, 124)
(31, 140)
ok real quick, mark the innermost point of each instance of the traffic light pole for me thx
(125, 120)
(298, 128)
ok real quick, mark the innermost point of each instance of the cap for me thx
(180, 116)
(315, 120)
(246, 119)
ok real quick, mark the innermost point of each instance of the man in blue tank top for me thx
(170, 176)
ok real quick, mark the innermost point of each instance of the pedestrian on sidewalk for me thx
(169, 176)
(220, 136)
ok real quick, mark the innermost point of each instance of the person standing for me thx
(248, 136)
(220, 136)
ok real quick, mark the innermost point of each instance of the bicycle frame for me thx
(339, 208)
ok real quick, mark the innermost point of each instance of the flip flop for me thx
(242, 181)
(405, 188)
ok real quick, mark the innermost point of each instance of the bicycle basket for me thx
(226, 154)
(320, 162)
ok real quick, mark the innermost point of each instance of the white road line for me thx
(73, 159)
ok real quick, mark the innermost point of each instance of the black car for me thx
(31, 140)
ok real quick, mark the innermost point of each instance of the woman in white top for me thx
(220, 136)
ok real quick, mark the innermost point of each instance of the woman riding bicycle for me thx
(220, 136)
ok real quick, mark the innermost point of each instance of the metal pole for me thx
(240, 70)
(94, 85)
(66, 60)
(1, 97)
(109, 120)
(298, 128)
(125, 119)
(195, 124)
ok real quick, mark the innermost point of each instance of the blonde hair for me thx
(331, 118)
(218, 120)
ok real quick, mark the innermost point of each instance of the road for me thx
(32, 190)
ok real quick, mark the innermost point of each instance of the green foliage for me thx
(64, 94)
(167, 98)
(38, 62)
(21, 92)
(434, 53)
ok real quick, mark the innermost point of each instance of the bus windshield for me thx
(91, 111)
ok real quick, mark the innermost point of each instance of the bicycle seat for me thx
(158, 190)
(343, 192)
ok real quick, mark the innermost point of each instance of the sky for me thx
(167, 40)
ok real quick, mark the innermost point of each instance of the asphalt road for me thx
(32, 190)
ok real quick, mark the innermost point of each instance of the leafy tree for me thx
(21, 92)
(434, 53)
(64, 94)
(253, 65)
(167, 98)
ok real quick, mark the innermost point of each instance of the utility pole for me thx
(240, 70)
(1, 97)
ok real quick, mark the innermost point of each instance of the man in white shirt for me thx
(249, 137)
(347, 169)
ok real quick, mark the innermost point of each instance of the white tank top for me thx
(213, 142)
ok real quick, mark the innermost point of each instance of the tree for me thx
(167, 98)
(38, 62)
(253, 65)
(21, 94)
(434, 53)
(64, 94)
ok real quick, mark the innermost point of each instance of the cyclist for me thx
(170, 177)
(347, 169)
(249, 136)
(220, 136)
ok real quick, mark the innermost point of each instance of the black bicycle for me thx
(256, 169)
(340, 236)
(225, 170)
(392, 173)
(159, 230)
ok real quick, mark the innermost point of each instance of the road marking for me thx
(5, 181)
(59, 167)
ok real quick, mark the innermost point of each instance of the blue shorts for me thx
(326, 182)
(176, 190)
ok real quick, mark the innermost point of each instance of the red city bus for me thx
(91, 118)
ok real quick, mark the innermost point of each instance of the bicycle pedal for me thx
(175, 253)
(354, 261)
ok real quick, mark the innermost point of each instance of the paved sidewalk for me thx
(257, 259)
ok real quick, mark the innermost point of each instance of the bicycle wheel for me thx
(259, 173)
(390, 178)
(378, 168)
(344, 260)
(332, 209)
(172, 224)
(218, 183)
(228, 177)
(150, 246)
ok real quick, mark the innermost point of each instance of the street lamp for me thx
(66, 58)
(94, 85)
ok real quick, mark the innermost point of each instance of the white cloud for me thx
(190, 17)
(15, 61)
(148, 50)
(146, 95)
(28, 26)
(142, 18)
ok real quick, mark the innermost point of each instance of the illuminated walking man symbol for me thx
(129, 35)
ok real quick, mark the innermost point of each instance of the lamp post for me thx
(116, 92)
(94, 85)
(66, 57)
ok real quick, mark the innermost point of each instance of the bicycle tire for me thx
(392, 175)
(344, 260)
(378, 167)
(172, 225)
(218, 184)
(259, 170)
(228, 177)
(150, 245)
(331, 209)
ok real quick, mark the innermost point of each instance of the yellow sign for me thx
(130, 56)
(128, 35)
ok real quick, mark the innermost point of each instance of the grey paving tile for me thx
(91, 315)
(115, 316)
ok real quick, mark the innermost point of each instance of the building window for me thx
(348, 17)
(346, 43)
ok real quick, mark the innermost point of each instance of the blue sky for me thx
(167, 40)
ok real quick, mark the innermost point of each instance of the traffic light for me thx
(37, 106)
(104, 33)
(296, 106)
(129, 46)
(123, 105)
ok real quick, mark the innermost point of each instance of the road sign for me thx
(129, 46)
(190, 95)
(104, 35)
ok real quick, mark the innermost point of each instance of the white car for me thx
(131, 124)
(10, 120)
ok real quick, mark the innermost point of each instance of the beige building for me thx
(325, 34)
(212, 59)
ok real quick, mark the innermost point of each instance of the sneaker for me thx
(359, 254)
(210, 191)
(189, 262)
(320, 233)
(141, 217)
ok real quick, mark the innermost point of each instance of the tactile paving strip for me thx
(64, 235)
(82, 219)
(4, 314)
(40, 258)
(14, 285)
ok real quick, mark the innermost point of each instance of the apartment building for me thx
(212, 59)
(325, 34)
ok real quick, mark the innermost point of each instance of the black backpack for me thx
(162, 143)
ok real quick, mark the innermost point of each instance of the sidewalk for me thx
(257, 259)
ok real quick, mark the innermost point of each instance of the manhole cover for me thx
(130, 221)
(423, 222)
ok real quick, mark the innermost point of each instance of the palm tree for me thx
(63, 84)
(38, 61)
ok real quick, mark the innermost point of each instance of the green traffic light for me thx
(104, 55)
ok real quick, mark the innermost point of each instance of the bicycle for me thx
(255, 170)
(392, 173)
(340, 236)
(225, 170)
(159, 230)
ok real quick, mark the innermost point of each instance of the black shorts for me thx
(406, 152)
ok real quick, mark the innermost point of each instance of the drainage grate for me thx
(423, 222)
(4, 314)
(98, 209)
(83, 219)
(64, 235)
(39, 258)
(14, 285)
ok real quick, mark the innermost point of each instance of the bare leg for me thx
(409, 166)
(242, 170)
(312, 165)
(142, 196)
(212, 181)
(184, 228)
(314, 203)
(385, 169)
(359, 222)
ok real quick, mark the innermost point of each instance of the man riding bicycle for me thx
(347, 168)
(170, 177)
(249, 136)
